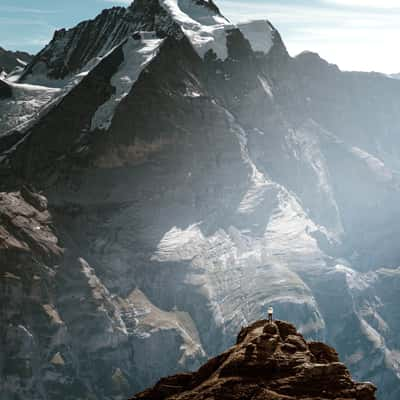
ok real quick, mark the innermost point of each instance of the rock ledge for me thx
(271, 362)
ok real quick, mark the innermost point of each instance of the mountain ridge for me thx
(9, 60)
(187, 194)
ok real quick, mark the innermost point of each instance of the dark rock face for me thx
(82, 44)
(5, 90)
(218, 187)
(81, 102)
(71, 50)
(9, 60)
(269, 361)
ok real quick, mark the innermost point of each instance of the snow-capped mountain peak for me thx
(72, 51)
(207, 28)
(202, 190)
(202, 23)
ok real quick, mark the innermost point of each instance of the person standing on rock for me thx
(270, 314)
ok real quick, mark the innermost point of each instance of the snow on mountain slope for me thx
(305, 143)
(39, 92)
(217, 190)
(137, 54)
(375, 165)
(373, 297)
(79, 49)
(179, 244)
(73, 53)
(29, 102)
(241, 274)
(205, 28)
(24, 105)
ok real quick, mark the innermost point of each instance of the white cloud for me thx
(376, 4)
(362, 39)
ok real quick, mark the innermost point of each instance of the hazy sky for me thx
(355, 34)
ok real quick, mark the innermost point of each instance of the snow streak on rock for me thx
(375, 165)
(306, 145)
(137, 54)
(266, 86)
(259, 183)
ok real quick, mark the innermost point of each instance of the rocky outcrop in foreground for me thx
(269, 361)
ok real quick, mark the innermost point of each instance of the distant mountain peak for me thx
(78, 49)
(9, 60)
(210, 6)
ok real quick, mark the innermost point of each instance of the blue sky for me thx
(355, 34)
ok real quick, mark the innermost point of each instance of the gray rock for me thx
(219, 187)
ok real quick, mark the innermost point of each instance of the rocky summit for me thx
(270, 361)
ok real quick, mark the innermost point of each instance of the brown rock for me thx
(269, 362)
(26, 228)
(323, 353)
(35, 199)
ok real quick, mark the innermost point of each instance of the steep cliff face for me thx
(74, 50)
(5, 90)
(269, 361)
(196, 173)
(59, 320)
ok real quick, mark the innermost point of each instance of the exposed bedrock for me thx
(269, 361)
(181, 192)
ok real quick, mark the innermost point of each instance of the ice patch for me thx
(266, 86)
(372, 334)
(259, 184)
(22, 62)
(287, 237)
(39, 93)
(137, 54)
(354, 279)
(205, 29)
(24, 105)
(260, 34)
(305, 144)
(374, 164)
(179, 244)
